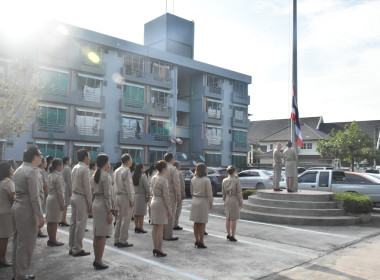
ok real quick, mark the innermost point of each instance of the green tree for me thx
(351, 144)
(19, 91)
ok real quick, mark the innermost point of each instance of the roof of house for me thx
(369, 127)
(308, 133)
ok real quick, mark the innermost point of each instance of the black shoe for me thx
(205, 233)
(70, 252)
(200, 245)
(98, 266)
(81, 254)
(31, 277)
(41, 235)
(232, 238)
(2, 264)
(277, 190)
(90, 216)
(86, 230)
(290, 190)
(62, 224)
(178, 228)
(171, 239)
(158, 253)
(123, 245)
(228, 237)
(108, 236)
(54, 244)
(114, 224)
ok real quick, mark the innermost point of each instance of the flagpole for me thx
(294, 82)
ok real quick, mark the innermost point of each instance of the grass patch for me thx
(354, 202)
(247, 193)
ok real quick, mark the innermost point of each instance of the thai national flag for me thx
(295, 116)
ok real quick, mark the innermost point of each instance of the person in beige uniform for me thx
(27, 213)
(277, 167)
(161, 209)
(201, 204)
(178, 211)
(101, 184)
(81, 203)
(233, 201)
(7, 194)
(174, 194)
(55, 201)
(290, 158)
(66, 174)
(142, 195)
(125, 201)
(44, 190)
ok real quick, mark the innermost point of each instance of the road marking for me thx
(164, 266)
(280, 226)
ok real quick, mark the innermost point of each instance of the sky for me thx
(338, 45)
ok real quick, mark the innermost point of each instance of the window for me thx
(135, 153)
(213, 159)
(240, 113)
(240, 89)
(214, 83)
(338, 177)
(133, 96)
(159, 129)
(161, 101)
(310, 177)
(51, 118)
(214, 109)
(214, 135)
(161, 71)
(156, 154)
(240, 138)
(135, 65)
(87, 123)
(270, 147)
(92, 150)
(54, 82)
(243, 174)
(91, 87)
(239, 161)
(324, 179)
(356, 179)
(55, 150)
(307, 146)
(132, 127)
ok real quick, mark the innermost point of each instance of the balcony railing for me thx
(51, 127)
(214, 141)
(161, 106)
(55, 91)
(214, 114)
(88, 130)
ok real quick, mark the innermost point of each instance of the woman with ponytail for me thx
(142, 195)
(55, 201)
(101, 184)
(160, 206)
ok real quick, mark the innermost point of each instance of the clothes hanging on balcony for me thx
(92, 94)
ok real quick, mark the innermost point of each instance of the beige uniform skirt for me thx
(53, 209)
(232, 208)
(100, 218)
(291, 169)
(6, 228)
(199, 209)
(140, 204)
(159, 213)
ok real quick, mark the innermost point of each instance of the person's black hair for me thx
(125, 158)
(13, 163)
(5, 168)
(137, 174)
(54, 164)
(231, 169)
(82, 154)
(29, 154)
(132, 168)
(65, 160)
(150, 170)
(160, 165)
(200, 170)
(289, 144)
(101, 160)
(48, 161)
(176, 164)
(117, 165)
(91, 165)
(168, 157)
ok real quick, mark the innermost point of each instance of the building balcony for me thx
(213, 118)
(238, 147)
(125, 139)
(212, 144)
(183, 106)
(156, 140)
(241, 123)
(63, 132)
(236, 98)
(142, 77)
(137, 108)
(83, 64)
(161, 110)
(213, 92)
(183, 131)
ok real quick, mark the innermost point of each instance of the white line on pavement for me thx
(280, 226)
(164, 266)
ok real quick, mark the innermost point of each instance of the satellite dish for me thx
(195, 163)
(184, 156)
(172, 140)
(179, 141)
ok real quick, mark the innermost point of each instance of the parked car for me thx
(187, 175)
(340, 181)
(216, 176)
(321, 168)
(300, 170)
(256, 179)
(377, 176)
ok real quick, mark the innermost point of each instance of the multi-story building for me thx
(109, 95)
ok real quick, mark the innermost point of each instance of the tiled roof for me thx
(308, 133)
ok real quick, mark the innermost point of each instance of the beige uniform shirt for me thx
(56, 186)
(143, 187)
(123, 183)
(290, 155)
(277, 156)
(160, 189)
(201, 187)
(103, 188)
(28, 181)
(173, 180)
(80, 178)
(181, 183)
(66, 174)
(7, 187)
(232, 186)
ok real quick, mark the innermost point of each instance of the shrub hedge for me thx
(354, 202)
(247, 193)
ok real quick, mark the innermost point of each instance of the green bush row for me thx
(247, 193)
(354, 202)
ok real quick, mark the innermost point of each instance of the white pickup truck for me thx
(339, 181)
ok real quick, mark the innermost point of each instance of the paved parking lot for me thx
(263, 251)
